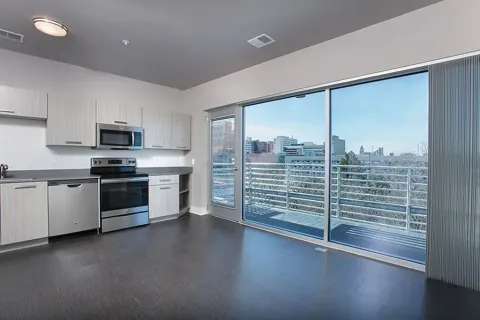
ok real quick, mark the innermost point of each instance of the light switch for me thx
(193, 161)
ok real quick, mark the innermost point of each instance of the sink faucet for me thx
(3, 170)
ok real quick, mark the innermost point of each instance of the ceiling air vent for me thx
(261, 41)
(5, 34)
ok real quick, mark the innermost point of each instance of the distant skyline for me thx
(392, 114)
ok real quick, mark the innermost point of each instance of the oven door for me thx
(123, 196)
(119, 137)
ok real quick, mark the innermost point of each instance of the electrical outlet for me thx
(193, 161)
(56, 160)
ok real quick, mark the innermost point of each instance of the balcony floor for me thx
(393, 242)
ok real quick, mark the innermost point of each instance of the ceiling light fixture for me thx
(50, 27)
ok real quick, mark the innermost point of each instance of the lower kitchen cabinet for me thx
(24, 212)
(163, 200)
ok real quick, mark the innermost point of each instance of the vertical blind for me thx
(453, 231)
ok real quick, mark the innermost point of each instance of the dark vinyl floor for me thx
(207, 268)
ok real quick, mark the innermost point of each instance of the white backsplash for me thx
(22, 147)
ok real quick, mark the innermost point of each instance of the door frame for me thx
(223, 211)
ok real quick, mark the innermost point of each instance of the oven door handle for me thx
(122, 180)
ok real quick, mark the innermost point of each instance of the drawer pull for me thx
(121, 122)
(73, 142)
(74, 185)
(182, 147)
(157, 146)
(165, 188)
(7, 111)
(165, 180)
(26, 187)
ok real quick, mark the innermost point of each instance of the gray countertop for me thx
(71, 174)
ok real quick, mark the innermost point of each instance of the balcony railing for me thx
(387, 196)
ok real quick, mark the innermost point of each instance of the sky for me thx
(392, 114)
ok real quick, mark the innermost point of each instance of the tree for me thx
(351, 159)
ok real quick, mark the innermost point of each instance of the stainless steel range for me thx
(123, 193)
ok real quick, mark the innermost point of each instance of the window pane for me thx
(284, 170)
(379, 166)
(223, 155)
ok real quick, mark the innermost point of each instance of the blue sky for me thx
(392, 114)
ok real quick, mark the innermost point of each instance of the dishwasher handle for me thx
(71, 183)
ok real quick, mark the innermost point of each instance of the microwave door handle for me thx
(133, 139)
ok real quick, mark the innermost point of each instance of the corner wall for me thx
(441, 30)
(22, 142)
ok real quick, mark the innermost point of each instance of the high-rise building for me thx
(362, 150)
(248, 145)
(282, 141)
(270, 147)
(338, 146)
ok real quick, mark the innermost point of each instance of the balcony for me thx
(377, 208)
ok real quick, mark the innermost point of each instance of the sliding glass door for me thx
(379, 166)
(284, 171)
(347, 165)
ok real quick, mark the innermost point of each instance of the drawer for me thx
(168, 179)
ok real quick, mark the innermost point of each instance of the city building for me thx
(362, 150)
(248, 145)
(282, 141)
(270, 147)
(338, 146)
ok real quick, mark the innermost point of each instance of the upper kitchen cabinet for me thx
(157, 125)
(119, 113)
(22, 103)
(181, 127)
(71, 121)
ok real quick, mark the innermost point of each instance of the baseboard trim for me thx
(165, 218)
(23, 245)
(200, 211)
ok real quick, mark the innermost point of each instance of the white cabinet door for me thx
(24, 212)
(22, 103)
(157, 125)
(181, 127)
(163, 200)
(71, 121)
(119, 113)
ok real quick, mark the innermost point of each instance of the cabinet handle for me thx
(74, 185)
(7, 111)
(26, 187)
(165, 180)
(165, 188)
(182, 147)
(73, 142)
(121, 122)
(157, 146)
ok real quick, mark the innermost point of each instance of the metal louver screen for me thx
(453, 230)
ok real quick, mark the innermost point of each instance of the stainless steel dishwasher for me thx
(72, 206)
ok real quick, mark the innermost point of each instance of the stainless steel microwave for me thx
(117, 137)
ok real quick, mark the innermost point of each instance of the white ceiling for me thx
(183, 43)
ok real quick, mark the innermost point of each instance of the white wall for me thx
(438, 31)
(22, 142)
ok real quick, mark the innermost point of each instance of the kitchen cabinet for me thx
(24, 212)
(119, 113)
(157, 125)
(163, 199)
(181, 127)
(22, 103)
(71, 121)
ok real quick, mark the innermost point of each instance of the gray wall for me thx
(453, 231)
